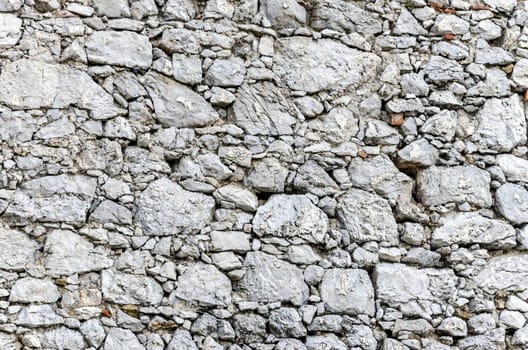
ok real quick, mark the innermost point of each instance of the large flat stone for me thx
(120, 48)
(16, 250)
(308, 65)
(122, 288)
(205, 285)
(505, 273)
(32, 84)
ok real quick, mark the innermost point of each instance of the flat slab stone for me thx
(16, 250)
(290, 216)
(34, 290)
(367, 217)
(261, 109)
(32, 84)
(472, 228)
(310, 65)
(165, 208)
(177, 105)
(458, 184)
(205, 285)
(501, 124)
(68, 253)
(120, 48)
(61, 198)
(347, 291)
(269, 279)
(10, 30)
(505, 273)
(122, 288)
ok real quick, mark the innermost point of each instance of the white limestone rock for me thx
(34, 290)
(17, 250)
(10, 30)
(120, 48)
(214, 290)
(122, 288)
(505, 273)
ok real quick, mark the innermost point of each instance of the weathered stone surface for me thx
(109, 211)
(313, 179)
(62, 338)
(347, 291)
(471, 228)
(504, 273)
(165, 208)
(38, 316)
(290, 216)
(119, 338)
(177, 105)
(17, 125)
(261, 109)
(288, 14)
(450, 24)
(520, 73)
(308, 65)
(16, 250)
(215, 287)
(269, 279)
(344, 17)
(367, 217)
(514, 168)
(442, 70)
(34, 290)
(501, 124)
(240, 196)
(181, 339)
(511, 201)
(338, 125)
(267, 175)
(226, 73)
(122, 288)
(32, 84)
(10, 30)
(9, 341)
(120, 48)
(440, 185)
(68, 253)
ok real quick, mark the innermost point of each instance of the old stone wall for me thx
(263, 174)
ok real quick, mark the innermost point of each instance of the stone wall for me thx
(265, 175)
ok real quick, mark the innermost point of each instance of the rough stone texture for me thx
(267, 175)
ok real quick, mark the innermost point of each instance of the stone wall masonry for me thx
(263, 174)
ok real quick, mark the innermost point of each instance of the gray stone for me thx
(180, 40)
(229, 240)
(177, 105)
(418, 153)
(502, 5)
(305, 64)
(361, 336)
(269, 279)
(38, 316)
(119, 338)
(283, 14)
(109, 211)
(323, 342)
(514, 168)
(511, 319)
(286, 323)
(472, 228)
(93, 332)
(10, 5)
(504, 273)
(9, 341)
(309, 106)
(501, 124)
(453, 326)
(451, 50)
(215, 287)
(347, 291)
(261, 109)
(450, 24)
(458, 184)
(34, 290)
(290, 216)
(442, 125)
(485, 54)
(267, 175)
(302, 254)
(442, 70)
(379, 132)
(165, 208)
(120, 48)
(338, 125)
(511, 201)
(122, 288)
(112, 9)
(31, 84)
(407, 24)
(119, 127)
(181, 10)
(237, 195)
(312, 178)
(250, 328)
(128, 85)
(520, 73)
(17, 250)
(68, 253)
(10, 30)
(17, 125)
(367, 217)
(62, 338)
(414, 84)
(289, 344)
(495, 85)
(345, 17)
(187, 69)
(520, 337)
(181, 340)
(226, 73)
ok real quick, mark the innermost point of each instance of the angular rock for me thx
(10, 30)
(120, 48)
(181, 340)
(286, 322)
(283, 14)
(93, 331)
(16, 250)
(407, 24)
(18, 125)
(68, 253)
(472, 228)
(442, 70)
(450, 24)
(511, 201)
(442, 125)
(165, 208)
(109, 211)
(347, 291)
(122, 288)
(239, 196)
(31, 84)
(418, 153)
(304, 64)
(215, 287)
(312, 178)
(112, 9)
(414, 84)
(250, 328)
(504, 273)
(9, 341)
(501, 124)
(367, 217)
(327, 341)
(520, 73)
(290, 216)
(226, 73)
(38, 316)
(261, 109)
(458, 184)
(268, 175)
(514, 168)
(495, 85)
(177, 105)
(62, 338)
(119, 338)
(187, 69)
(345, 17)
(181, 10)
(10, 5)
(230, 240)
(338, 125)
(485, 54)
(34, 290)
(269, 279)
